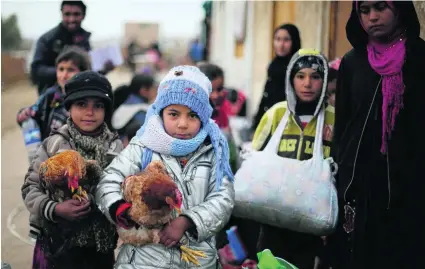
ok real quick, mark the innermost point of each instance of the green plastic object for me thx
(266, 260)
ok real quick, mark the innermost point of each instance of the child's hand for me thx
(171, 234)
(72, 210)
(25, 114)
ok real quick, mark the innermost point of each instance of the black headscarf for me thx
(280, 63)
(357, 35)
(274, 90)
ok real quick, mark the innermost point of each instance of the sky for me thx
(105, 19)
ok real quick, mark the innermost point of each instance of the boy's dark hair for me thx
(141, 81)
(212, 71)
(122, 92)
(75, 3)
(76, 55)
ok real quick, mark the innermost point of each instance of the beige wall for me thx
(420, 10)
(311, 18)
(262, 50)
(313, 25)
(314, 30)
(144, 33)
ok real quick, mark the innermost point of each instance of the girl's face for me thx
(217, 94)
(282, 43)
(308, 84)
(377, 18)
(181, 122)
(65, 71)
(331, 92)
(88, 114)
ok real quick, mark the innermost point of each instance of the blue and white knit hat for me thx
(188, 86)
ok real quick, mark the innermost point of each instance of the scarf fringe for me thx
(392, 92)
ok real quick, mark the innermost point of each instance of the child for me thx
(130, 115)
(222, 107)
(220, 95)
(178, 131)
(306, 90)
(49, 110)
(332, 80)
(89, 101)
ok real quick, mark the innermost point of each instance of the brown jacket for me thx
(35, 198)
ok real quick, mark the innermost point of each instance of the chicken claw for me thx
(190, 255)
(80, 195)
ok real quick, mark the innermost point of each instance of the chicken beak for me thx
(169, 201)
(179, 211)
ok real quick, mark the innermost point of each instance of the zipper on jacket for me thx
(194, 157)
(132, 254)
(300, 145)
(360, 141)
(186, 182)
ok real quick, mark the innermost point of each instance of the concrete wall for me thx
(223, 43)
(250, 71)
(312, 21)
(263, 31)
(420, 10)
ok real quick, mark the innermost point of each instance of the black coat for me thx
(48, 47)
(386, 190)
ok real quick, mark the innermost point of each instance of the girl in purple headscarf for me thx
(377, 141)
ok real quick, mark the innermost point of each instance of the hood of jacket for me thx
(358, 37)
(290, 91)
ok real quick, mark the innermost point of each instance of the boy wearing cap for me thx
(306, 85)
(88, 97)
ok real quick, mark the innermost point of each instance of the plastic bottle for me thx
(237, 247)
(32, 137)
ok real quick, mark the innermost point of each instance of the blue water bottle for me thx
(236, 245)
(32, 137)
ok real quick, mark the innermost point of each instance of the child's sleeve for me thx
(263, 131)
(213, 214)
(35, 198)
(109, 195)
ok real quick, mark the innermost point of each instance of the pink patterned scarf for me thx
(387, 60)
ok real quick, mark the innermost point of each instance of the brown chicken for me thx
(67, 175)
(153, 195)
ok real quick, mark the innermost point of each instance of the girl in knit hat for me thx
(178, 130)
(71, 233)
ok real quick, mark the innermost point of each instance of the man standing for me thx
(377, 142)
(50, 44)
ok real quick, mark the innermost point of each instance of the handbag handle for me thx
(318, 139)
(274, 142)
